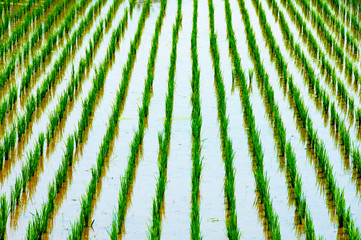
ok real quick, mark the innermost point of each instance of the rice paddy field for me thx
(180, 119)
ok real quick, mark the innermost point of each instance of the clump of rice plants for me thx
(196, 130)
(127, 179)
(295, 180)
(4, 213)
(154, 230)
(227, 149)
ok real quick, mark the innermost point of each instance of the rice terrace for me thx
(180, 119)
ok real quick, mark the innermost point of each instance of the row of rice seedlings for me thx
(132, 4)
(78, 227)
(337, 25)
(317, 53)
(57, 115)
(51, 18)
(39, 33)
(295, 178)
(10, 66)
(350, 148)
(253, 135)
(227, 149)
(5, 6)
(336, 194)
(4, 213)
(300, 199)
(335, 119)
(20, 125)
(343, 215)
(27, 171)
(196, 130)
(312, 80)
(46, 49)
(7, 104)
(154, 229)
(352, 6)
(324, 64)
(14, 16)
(88, 103)
(323, 163)
(126, 181)
(323, 31)
(22, 29)
(263, 76)
(348, 16)
(38, 224)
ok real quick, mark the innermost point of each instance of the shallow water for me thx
(177, 201)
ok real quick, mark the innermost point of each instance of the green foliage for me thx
(4, 213)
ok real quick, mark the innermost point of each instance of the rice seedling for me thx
(127, 179)
(196, 130)
(4, 212)
(322, 47)
(30, 167)
(10, 67)
(22, 29)
(34, 101)
(35, 230)
(228, 155)
(324, 163)
(154, 230)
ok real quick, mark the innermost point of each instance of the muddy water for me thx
(176, 221)
(341, 177)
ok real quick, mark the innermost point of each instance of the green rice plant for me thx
(126, 181)
(196, 130)
(21, 29)
(356, 159)
(358, 116)
(36, 60)
(228, 155)
(4, 213)
(34, 101)
(324, 164)
(351, 69)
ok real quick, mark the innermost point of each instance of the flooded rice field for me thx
(179, 119)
